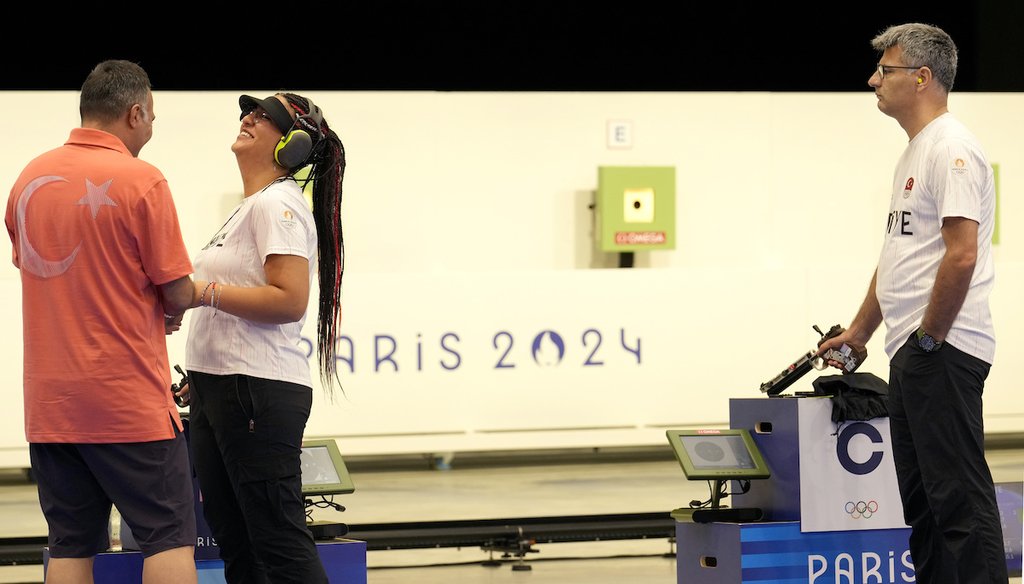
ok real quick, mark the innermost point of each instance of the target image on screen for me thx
(323, 470)
(718, 454)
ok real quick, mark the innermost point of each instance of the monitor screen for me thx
(718, 454)
(323, 470)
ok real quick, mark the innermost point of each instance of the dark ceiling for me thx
(483, 46)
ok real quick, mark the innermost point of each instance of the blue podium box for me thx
(780, 549)
(823, 472)
(784, 548)
(774, 424)
(344, 561)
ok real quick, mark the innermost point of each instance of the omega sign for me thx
(639, 237)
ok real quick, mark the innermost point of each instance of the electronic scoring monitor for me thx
(714, 454)
(323, 470)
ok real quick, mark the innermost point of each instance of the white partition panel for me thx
(469, 237)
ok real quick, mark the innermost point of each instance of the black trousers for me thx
(246, 435)
(938, 440)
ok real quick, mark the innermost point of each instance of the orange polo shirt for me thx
(95, 231)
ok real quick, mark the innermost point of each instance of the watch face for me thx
(927, 343)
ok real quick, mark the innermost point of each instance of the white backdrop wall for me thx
(477, 313)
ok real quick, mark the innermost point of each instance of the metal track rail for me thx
(501, 534)
(496, 532)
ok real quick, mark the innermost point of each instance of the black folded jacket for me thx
(855, 396)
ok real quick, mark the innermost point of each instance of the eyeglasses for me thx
(883, 69)
(258, 115)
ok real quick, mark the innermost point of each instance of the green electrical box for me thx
(636, 207)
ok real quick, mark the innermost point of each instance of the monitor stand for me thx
(326, 530)
(716, 513)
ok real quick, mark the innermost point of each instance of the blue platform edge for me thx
(782, 553)
(344, 561)
(779, 552)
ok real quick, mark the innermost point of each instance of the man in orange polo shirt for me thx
(105, 276)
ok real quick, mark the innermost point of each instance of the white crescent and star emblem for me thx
(30, 260)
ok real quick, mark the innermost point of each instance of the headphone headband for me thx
(312, 120)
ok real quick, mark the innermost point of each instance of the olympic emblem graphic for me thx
(861, 510)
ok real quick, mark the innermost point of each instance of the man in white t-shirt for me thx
(931, 288)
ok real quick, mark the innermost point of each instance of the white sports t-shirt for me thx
(943, 173)
(276, 220)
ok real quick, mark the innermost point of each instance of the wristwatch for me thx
(927, 343)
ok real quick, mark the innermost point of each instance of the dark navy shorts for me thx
(150, 482)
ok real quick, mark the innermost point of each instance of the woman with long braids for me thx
(250, 387)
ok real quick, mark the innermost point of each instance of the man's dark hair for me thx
(112, 88)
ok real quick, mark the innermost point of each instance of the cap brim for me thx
(273, 106)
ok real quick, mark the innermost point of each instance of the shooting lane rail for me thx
(496, 534)
(493, 532)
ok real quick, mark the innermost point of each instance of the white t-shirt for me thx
(943, 173)
(276, 220)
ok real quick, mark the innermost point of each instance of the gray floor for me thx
(621, 482)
